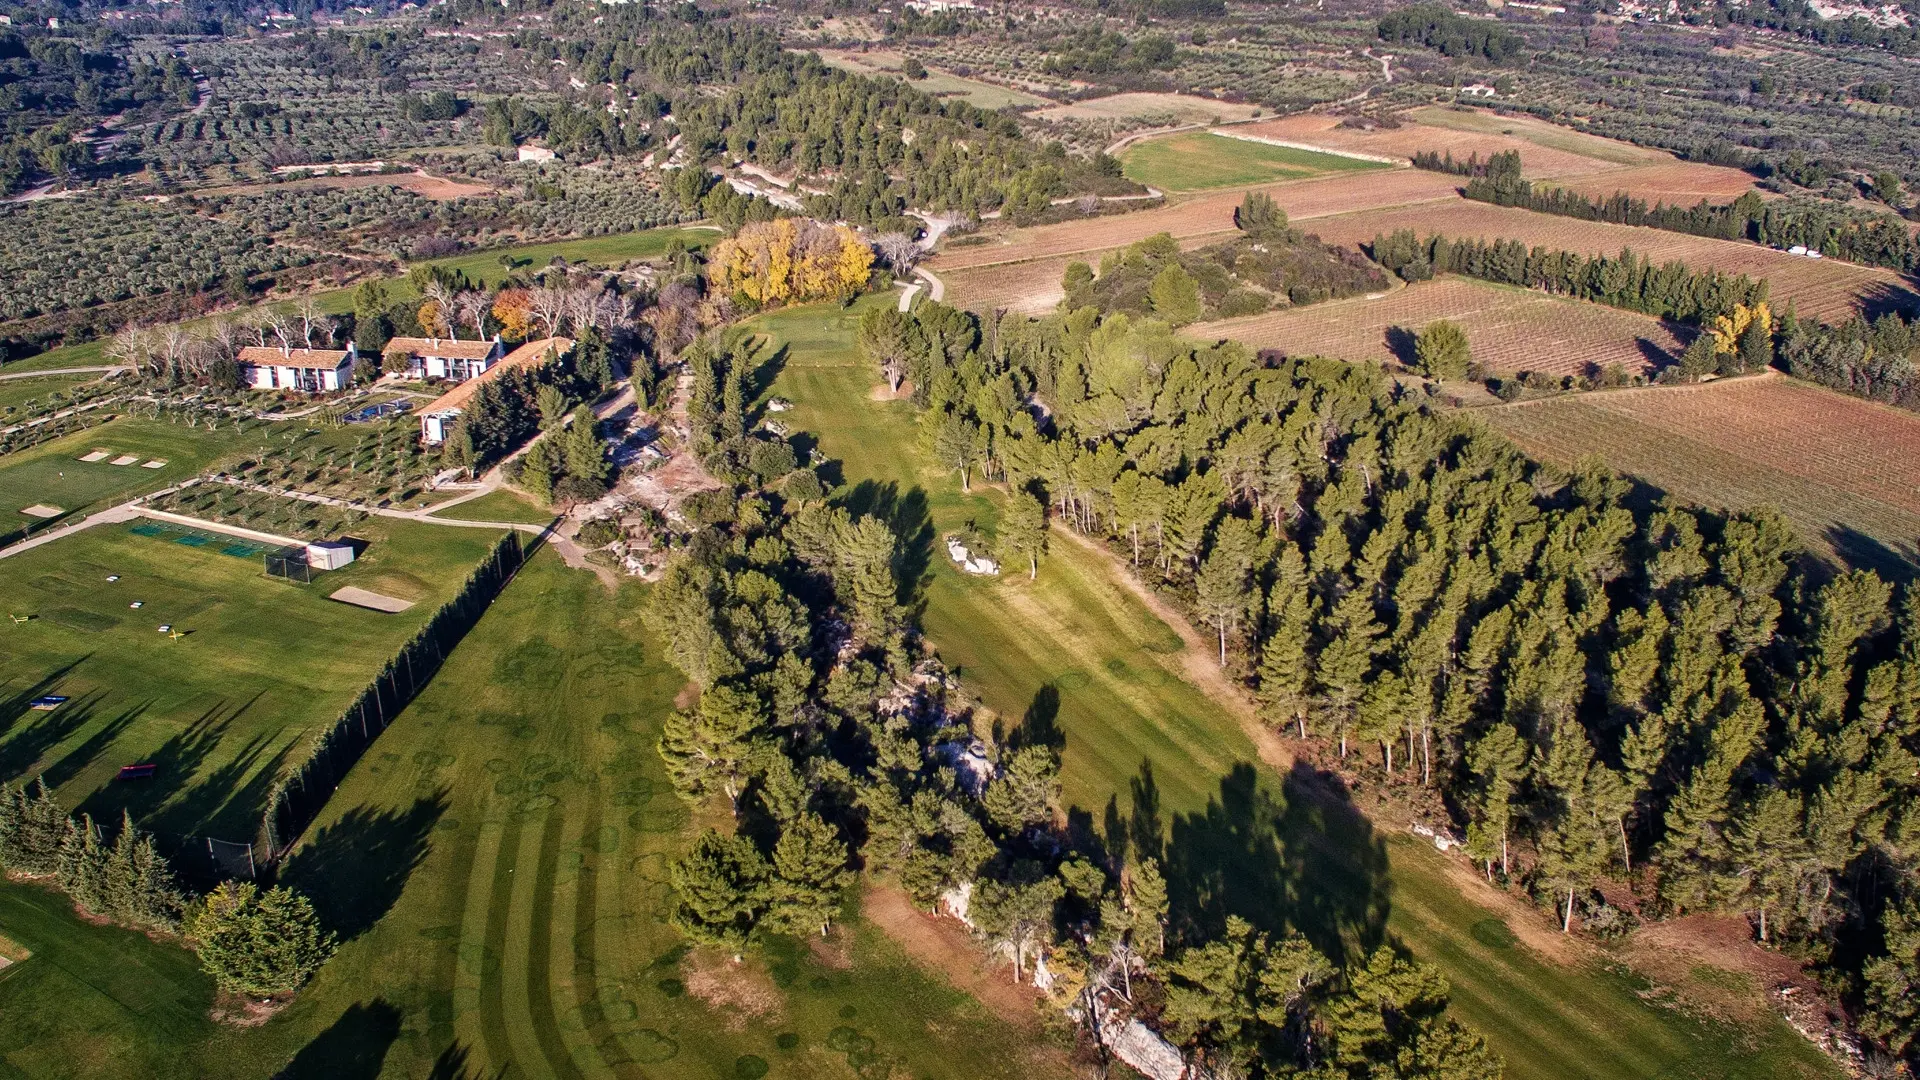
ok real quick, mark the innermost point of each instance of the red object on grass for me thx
(137, 772)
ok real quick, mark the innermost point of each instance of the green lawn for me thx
(15, 393)
(52, 474)
(503, 504)
(1148, 754)
(263, 662)
(1198, 160)
(497, 865)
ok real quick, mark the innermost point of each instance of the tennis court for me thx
(188, 536)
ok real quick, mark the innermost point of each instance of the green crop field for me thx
(503, 504)
(262, 662)
(496, 866)
(1147, 751)
(1198, 160)
(52, 474)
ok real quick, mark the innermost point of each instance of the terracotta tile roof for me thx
(532, 354)
(271, 355)
(447, 347)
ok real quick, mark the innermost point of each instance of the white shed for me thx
(329, 554)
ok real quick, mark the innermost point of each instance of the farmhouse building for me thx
(446, 358)
(438, 418)
(310, 371)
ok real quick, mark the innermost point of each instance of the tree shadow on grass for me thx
(452, 1065)
(76, 760)
(1302, 859)
(24, 748)
(1040, 726)
(910, 516)
(18, 703)
(354, 1048)
(355, 868)
(172, 802)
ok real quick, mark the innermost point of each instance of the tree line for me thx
(1872, 359)
(254, 942)
(1668, 700)
(1836, 230)
(838, 748)
(1438, 27)
(1627, 280)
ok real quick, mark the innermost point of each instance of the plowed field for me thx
(1844, 471)
(1202, 216)
(1510, 329)
(1820, 287)
(1320, 129)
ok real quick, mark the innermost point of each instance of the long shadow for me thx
(177, 760)
(759, 380)
(910, 516)
(1895, 562)
(17, 704)
(1883, 297)
(353, 1048)
(75, 761)
(26, 746)
(452, 1065)
(1303, 860)
(1040, 726)
(229, 802)
(355, 869)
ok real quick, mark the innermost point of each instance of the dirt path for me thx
(1196, 659)
(941, 946)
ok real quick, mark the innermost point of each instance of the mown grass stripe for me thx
(515, 900)
(542, 1017)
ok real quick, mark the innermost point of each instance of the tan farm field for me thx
(1206, 215)
(1174, 108)
(1511, 330)
(1825, 288)
(1842, 470)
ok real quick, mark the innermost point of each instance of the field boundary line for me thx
(1771, 374)
(1287, 144)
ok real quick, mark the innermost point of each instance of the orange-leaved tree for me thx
(790, 260)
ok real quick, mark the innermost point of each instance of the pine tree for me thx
(1023, 530)
(724, 888)
(1147, 907)
(258, 943)
(706, 748)
(82, 866)
(42, 830)
(1345, 665)
(809, 875)
(1174, 295)
(1572, 840)
(1499, 759)
(585, 452)
(1285, 667)
(1442, 350)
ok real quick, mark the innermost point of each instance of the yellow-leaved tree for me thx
(1726, 329)
(790, 260)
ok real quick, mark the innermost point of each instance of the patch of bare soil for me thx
(688, 696)
(831, 951)
(942, 945)
(1716, 965)
(1527, 922)
(1196, 658)
(738, 991)
(881, 393)
(246, 1012)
